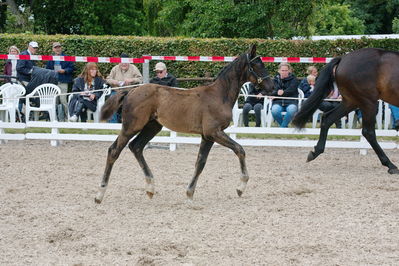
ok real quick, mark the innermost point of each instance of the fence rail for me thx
(56, 138)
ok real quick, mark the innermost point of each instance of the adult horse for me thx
(363, 77)
(205, 110)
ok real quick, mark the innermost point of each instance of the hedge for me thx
(113, 46)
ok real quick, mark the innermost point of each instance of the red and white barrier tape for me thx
(73, 58)
(312, 60)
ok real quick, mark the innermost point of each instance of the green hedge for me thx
(113, 46)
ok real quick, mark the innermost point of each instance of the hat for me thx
(124, 55)
(34, 44)
(56, 44)
(160, 67)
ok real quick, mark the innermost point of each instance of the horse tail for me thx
(112, 104)
(324, 85)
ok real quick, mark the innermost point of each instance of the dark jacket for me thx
(305, 87)
(7, 70)
(24, 68)
(41, 76)
(169, 80)
(290, 87)
(69, 67)
(79, 85)
(254, 91)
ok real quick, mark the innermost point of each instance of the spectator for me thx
(312, 70)
(25, 67)
(326, 106)
(253, 103)
(395, 115)
(123, 74)
(307, 85)
(163, 77)
(90, 79)
(10, 67)
(64, 71)
(285, 85)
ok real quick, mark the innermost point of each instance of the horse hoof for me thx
(239, 192)
(393, 171)
(190, 194)
(98, 201)
(150, 194)
(310, 157)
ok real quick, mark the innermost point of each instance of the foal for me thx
(204, 110)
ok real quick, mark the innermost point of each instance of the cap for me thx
(124, 55)
(34, 44)
(160, 67)
(56, 44)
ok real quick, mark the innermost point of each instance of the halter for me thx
(251, 70)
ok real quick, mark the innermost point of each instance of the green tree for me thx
(376, 14)
(335, 19)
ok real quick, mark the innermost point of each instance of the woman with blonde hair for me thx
(10, 67)
(87, 85)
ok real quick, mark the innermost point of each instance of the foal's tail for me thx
(324, 85)
(113, 103)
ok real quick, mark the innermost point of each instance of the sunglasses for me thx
(159, 71)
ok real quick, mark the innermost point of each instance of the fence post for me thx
(146, 71)
(55, 143)
(172, 146)
(363, 151)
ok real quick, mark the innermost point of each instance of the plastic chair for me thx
(100, 103)
(47, 96)
(11, 94)
(237, 112)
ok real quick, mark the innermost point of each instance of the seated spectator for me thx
(163, 77)
(90, 79)
(253, 103)
(307, 85)
(64, 71)
(285, 85)
(395, 115)
(10, 67)
(326, 106)
(123, 74)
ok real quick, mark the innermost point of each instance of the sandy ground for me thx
(341, 209)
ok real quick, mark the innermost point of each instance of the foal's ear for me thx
(252, 51)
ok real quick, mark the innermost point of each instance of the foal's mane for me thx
(225, 77)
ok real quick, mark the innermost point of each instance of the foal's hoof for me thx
(98, 201)
(189, 194)
(150, 194)
(393, 171)
(239, 192)
(311, 157)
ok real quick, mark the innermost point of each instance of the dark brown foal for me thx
(204, 110)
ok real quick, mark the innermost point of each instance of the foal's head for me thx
(257, 73)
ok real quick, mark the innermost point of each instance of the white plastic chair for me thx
(320, 112)
(237, 112)
(351, 116)
(269, 116)
(100, 103)
(47, 96)
(11, 94)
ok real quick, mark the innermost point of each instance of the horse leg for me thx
(368, 131)
(224, 140)
(137, 146)
(113, 153)
(205, 147)
(327, 120)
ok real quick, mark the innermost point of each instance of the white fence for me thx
(172, 138)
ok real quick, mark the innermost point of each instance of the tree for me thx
(336, 19)
(376, 14)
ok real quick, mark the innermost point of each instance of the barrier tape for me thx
(312, 60)
(73, 58)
